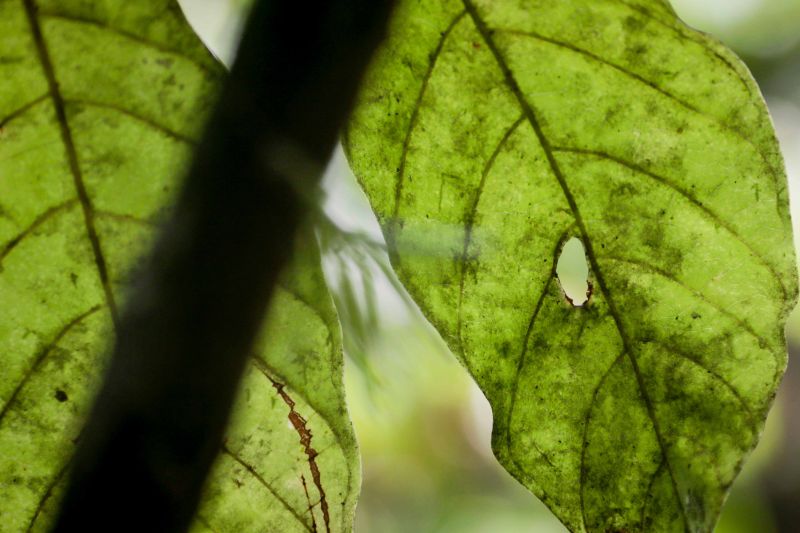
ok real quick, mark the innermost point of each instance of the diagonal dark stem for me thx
(187, 329)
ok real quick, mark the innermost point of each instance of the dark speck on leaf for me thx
(61, 396)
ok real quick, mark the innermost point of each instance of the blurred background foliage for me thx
(422, 425)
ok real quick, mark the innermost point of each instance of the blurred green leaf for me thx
(100, 106)
(488, 134)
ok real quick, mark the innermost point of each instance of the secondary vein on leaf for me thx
(43, 354)
(412, 123)
(252, 471)
(725, 383)
(119, 217)
(72, 155)
(653, 86)
(130, 36)
(696, 204)
(691, 34)
(204, 522)
(586, 53)
(523, 353)
(38, 221)
(641, 265)
(310, 505)
(48, 493)
(470, 221)
(648, 494)
(22, 110)
(584, 442)
(128, 113)
(527, 109)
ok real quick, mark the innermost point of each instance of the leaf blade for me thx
(510, 156)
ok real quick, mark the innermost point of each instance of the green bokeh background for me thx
(424, 427)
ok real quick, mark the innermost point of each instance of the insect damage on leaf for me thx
(486, 135)
(98, 113)
(572, 272)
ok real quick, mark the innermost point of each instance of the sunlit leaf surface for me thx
(488, 134)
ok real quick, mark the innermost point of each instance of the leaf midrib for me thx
(530, 115)
(72, 156)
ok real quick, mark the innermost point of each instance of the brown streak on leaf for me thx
(299, 424)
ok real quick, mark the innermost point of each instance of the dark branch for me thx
(188, 326)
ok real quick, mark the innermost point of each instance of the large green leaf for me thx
(100, 104)
(488, 133)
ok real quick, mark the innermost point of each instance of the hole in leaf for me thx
(573, 272)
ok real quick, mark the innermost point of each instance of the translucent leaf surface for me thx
(100, 105)
(488, 134)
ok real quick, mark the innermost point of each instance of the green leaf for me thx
(100, 106)
(491, 132)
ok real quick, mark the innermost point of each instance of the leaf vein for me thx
(727, 384)
(648, 83)
(649, 495)
(139, 221)
(585, 441)
(532, 119)
(263, 482)
(691, 35)
(700, 296)
(38, 221)
(128, 35)
(470, 221)
(139, 118)
(524, 351)
(20, 111)
(43, 354)
(300, 425)
(31, 11)
(48, 494)
(199, 517)
(711, 215)
(412, 123)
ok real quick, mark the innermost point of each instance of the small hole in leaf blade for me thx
(573, 272)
